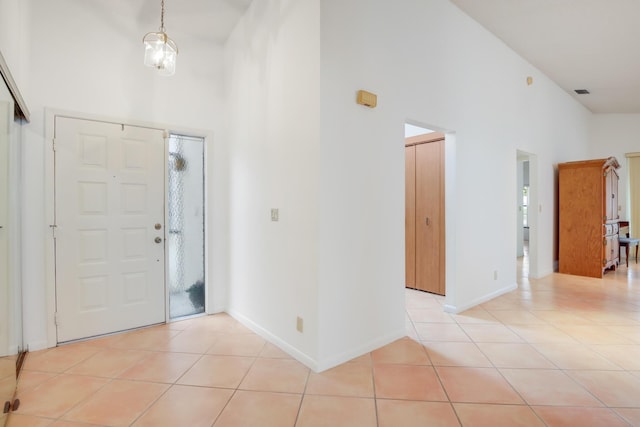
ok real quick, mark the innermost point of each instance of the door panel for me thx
(430, 217)
(410, 216)
(109, 195)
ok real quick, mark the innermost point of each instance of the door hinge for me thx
(53, 145)
(53, 229)
(56, 319)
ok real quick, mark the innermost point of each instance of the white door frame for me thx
(49, 195)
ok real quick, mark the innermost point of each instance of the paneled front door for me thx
(109, 219)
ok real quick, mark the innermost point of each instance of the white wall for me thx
(294, 139)
(14, 39)
(615, 135)
(84, 59)
(272, 68)
(431, 64)
(337, 255)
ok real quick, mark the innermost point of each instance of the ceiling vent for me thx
(582, 91)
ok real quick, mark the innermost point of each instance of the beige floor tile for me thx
(514, 355)
(118, 403)
(191, 341)
(430, 315)
(59, 359)
(571, 417)
(396, 413)
(456, 354)
(271, 351)
(630, 332)
(548, 387)
(541, 333)
(260, 409)
(18, 420)
(593, 334)
(56, 396)
(154, 339)
(277, 375)
(625, 356)
(561, 317)
(475, 315)
(109, 362)
(31, 379)
(407, 382)
(613, 388)
(403, 351)
(160, 367)
(630, 415)
(574, 355)
(331, 411)
(516, 317)
(441, 332)
(217, 371)
(70, 424)
(238, 345)
(477, 385)
(490, 333)
(483, 415)
(349, 379)
(186, 406)
(418, 299)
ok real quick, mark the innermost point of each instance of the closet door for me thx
(430, 217)
(410, 216)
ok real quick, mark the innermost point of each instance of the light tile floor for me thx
(559, 351)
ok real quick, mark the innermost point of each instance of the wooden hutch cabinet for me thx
(588, 217)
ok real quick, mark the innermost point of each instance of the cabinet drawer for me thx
(608, 229)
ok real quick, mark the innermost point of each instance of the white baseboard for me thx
(460, 308)
(37, 345)
(293, 352)
(332, 362)
(312, 363)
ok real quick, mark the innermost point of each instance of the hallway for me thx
(560, 351)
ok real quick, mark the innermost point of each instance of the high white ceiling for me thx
(580, 44)
(209, 20)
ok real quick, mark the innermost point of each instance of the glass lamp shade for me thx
(160, 52)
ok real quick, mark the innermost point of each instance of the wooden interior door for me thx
(410, 216)
(424, 213)
(430, 217)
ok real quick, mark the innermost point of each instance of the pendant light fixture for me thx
(160, 51)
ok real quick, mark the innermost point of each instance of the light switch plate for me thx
(275, 215)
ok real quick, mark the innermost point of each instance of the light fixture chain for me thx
(162, 16)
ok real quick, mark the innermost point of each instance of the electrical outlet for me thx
(275, 215)
(299, 324)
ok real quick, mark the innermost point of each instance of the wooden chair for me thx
(628, 242)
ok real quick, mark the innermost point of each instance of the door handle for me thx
(428, 221)
(158, 226)
(158, 239)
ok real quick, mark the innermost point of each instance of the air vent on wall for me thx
(582, 91)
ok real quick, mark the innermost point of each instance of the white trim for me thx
(267, 335)
(50, 284)
(23, 111)
(310, 362)
(459, 309)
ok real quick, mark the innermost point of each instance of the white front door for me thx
(109, 237)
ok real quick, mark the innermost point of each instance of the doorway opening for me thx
(526, 215)
(424, 210)
(185, 226)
